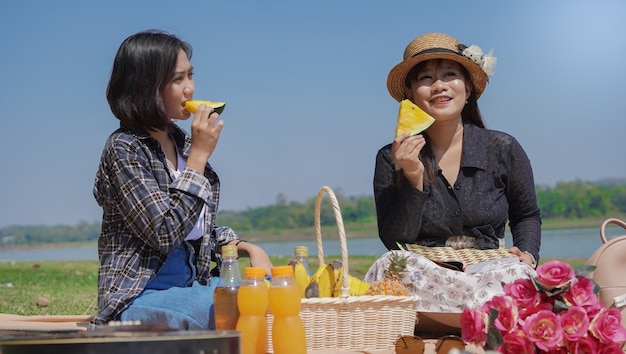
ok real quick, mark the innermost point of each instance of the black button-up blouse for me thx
(495, 185)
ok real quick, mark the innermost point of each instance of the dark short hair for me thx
(143, 64)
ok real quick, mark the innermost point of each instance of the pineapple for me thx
(391, 284)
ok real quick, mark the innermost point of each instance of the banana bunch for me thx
(328, 280)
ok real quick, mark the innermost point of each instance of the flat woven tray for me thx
(351, 323)
(465, 256)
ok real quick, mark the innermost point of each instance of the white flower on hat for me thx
(487, 62)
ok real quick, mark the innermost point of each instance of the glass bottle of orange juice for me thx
(225, 294)
(252, 299)
(288, 335)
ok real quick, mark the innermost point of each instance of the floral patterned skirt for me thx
(446, 290)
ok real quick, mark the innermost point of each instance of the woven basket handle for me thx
(345, 288)
(606, 223)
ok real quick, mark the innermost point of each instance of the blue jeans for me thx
(174, 297)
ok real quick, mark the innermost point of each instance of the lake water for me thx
(566, 243)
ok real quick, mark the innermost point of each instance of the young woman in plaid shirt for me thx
(159, 194)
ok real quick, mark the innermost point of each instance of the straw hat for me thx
(441, 46)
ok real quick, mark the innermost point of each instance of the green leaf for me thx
(494, 337)
(493, 314)
(596, 287)
(584, 269)
(556, 291)
(560, 306)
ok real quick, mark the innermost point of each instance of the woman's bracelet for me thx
(240, 241)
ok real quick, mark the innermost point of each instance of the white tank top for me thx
(198, 229)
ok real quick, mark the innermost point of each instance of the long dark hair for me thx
(143, 64)
(470, 115)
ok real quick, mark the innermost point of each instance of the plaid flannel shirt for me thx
(147, 214)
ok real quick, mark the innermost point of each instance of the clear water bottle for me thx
(301, 254)
(225, 295)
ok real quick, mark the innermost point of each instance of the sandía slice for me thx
(412, 119)
(192, 106)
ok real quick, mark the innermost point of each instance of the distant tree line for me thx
(579, 199)
(567, 200)
(293, 215)
(42, 234)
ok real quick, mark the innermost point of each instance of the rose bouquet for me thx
(557, 311)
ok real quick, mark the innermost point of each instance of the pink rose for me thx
(583, 345)
(515, 343)
(557, 350)
(507, 318)
(574, 322)
(594, 309)
(544, 329)
(581, 293)
(525, 312)
(554, 274)
(609, 348)
(607, 326)
(523, 292)
(474, 326)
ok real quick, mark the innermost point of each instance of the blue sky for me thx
(305, 86)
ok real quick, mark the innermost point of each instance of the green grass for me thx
(71, 286)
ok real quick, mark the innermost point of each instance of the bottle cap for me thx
(301, 251)
(254, 272)
(282, 271)
(229, 251)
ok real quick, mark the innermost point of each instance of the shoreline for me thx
(46, 246)
(353, 231)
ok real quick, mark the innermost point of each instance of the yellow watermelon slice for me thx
(192, 105)
(412, 119)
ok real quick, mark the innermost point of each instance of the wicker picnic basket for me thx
(350, 323)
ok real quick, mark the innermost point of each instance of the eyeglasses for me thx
(416, 345)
